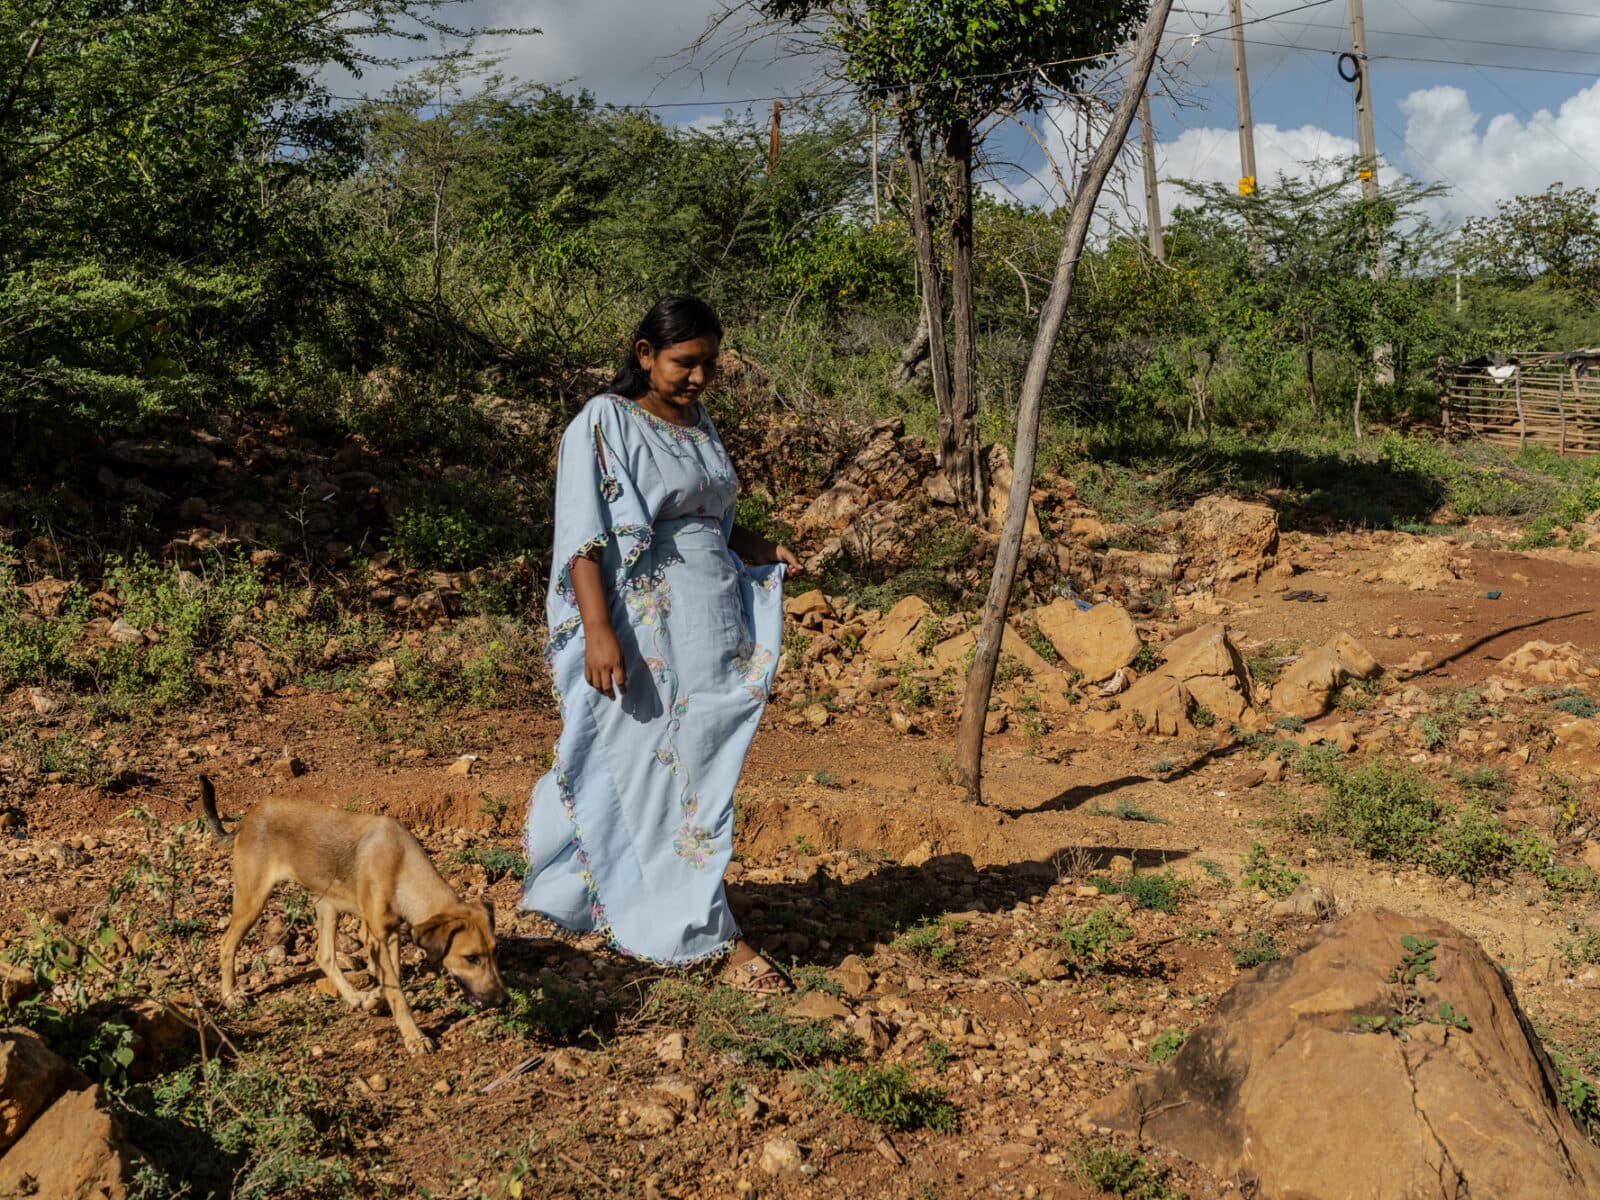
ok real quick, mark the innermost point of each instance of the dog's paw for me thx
(421, 1044)
(233, 999)
(370, 1000)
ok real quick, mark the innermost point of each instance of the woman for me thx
(664, 636)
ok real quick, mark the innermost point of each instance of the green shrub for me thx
(1472, 846)
(887, 1095)
(497, 861)
(458, 523)
(937, 943)
(1160, 892)
(1271, 875)
(1383, 808)
(1107, 1169)
(1090, 940)
(1260, 947)
(733, 1022)
(1167, 1044)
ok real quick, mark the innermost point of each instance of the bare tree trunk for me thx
(958, 426)
(922, 218)
(1361, 382)
(980, 681)
(915, 353)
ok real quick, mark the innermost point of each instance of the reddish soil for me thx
(847, 833)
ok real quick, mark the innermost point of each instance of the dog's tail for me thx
(208, 804)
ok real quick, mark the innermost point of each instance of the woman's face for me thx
(680, 372)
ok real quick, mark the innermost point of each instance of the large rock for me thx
(997, 470)
(1095, 641)
(74, 1148)
(892, 464)
(835, 508)
(1280, 1094)
(31, 1077)
(950, 652)
(1423, 564)
(1203, 669)
(1306, 688)
(1546, 662)
(1228, 540)
(897, 637)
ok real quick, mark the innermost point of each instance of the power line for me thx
(1447, 62)
(1549, 12)
(1457, 41)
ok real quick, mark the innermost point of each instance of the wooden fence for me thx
(1551, 399)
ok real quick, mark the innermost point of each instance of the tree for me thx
(1552, 237)
(980, 680)
(942, 70)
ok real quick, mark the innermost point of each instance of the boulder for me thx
(891, 465)
(897, 638)
(1281, 1094)
(1144, 565)
(1545, 662)
(1423, 564)
(949, 653)
(835, 508)
(31, 1077)
(1306, 688)
(1227, 540)
(997, 470)
(1095, 641)
(76, 1147)
(1203, 668)
(807, 604)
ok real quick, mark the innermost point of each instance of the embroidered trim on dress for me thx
(695, 433)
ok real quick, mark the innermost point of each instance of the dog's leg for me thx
(250, 892)
(328, 954)
(416, 1041)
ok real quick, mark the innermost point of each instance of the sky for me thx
(1491, 99)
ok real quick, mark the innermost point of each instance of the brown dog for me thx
(367, 865)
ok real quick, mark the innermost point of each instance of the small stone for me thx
(1120, 866)
(462, 765)
(818, 1006)
(900, 723)
(121, 631)
(995, 722)
(652, 1118)
(853, 977)
(378, 1083)
(442, 1087)
(43, 702)
(287, 766)
(780, 1156)
(817, 716)
(1086, 891)
(672, 1048)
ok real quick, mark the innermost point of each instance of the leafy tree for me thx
(1552, 237)
(941, 70)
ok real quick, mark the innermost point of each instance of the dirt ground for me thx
(848, 834)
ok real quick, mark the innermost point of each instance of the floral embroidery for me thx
(770, 582)
(752, 661)
(667, 756)
(680, 709)
(695, 433)
(693, 844)
(610, 488)
(648, 599)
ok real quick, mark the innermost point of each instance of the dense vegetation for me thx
(202, 232)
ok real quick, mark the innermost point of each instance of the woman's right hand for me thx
(602, 663)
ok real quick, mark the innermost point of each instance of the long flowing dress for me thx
(632, 828)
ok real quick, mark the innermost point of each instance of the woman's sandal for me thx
(757, 977)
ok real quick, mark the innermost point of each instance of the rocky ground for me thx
(1150, 838)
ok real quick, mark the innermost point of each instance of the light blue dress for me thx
(632, 828)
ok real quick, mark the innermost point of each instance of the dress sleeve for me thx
(599, 505)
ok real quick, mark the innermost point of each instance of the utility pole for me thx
(1367, 141)
(772, 144)
(1247, 132)
(1152, 201)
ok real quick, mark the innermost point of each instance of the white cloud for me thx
(1484, 163)
(1212, 156)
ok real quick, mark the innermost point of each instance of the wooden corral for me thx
(1550, 399)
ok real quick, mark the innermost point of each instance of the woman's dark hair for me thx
(672, 319)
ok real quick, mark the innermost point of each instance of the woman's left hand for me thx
(784, 555)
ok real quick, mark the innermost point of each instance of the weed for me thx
(1432, 733)
(887, 1095)
(938, 1054)
(1472, 846)
(1202, 717)
(1126, 810)
(1039, 644)
(1584, 948)
(1485, 779)
(1090, 940)
(1147, 660)
(497, 862)
(803, 846)
(1384, 808)
(1167, 1044)
(1162, 766)
(554, 1010)
(1215, 869)
(1408, 1009)
(928, 635)
(1009, 669)
(1358, 695)
(1576, 706)
(1530, 853)
(1273, 876)
(1267, 663)
(1290, 724)
(1577, 1094)
(1260, 947)
(795, 645)
(1537, 536)
(729, 1021)
(936, 943)
(1160, 892)
(911, 692)
(1107, 1169)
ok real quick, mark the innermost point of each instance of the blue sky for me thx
(1467, 121)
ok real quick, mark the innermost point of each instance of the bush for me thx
(1383, 808)
(1271, 875)
(1090, 940)
(1160, 892)
(1107, 1169)
(887, 1095)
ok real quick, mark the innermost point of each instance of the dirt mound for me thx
(1368, 1065)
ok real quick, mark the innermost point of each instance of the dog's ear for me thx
(434, 935)
(488, 907)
